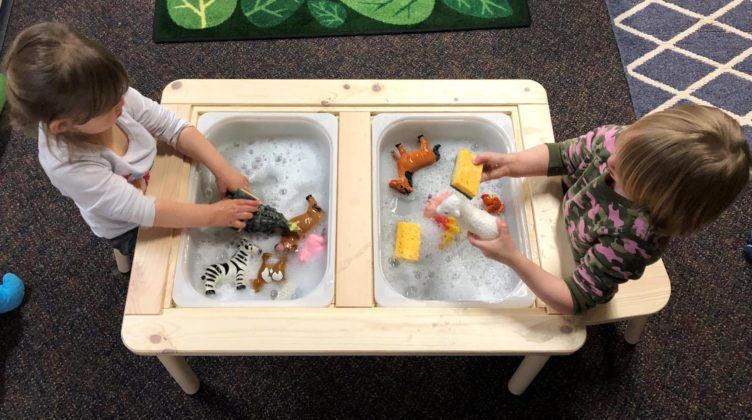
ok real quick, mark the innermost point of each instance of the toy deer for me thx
(272, 269)
(300, 225)
(409, 162)
(469, 217)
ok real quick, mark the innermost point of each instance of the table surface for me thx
(353, 324)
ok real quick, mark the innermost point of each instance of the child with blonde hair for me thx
(97, 137)
(628, 190)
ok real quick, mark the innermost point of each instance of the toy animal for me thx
(11, 293)
(234, 268)
(429, 211)
(492, 203)
(272, 269)
(300, 225)
(451, 229)
(312, 245)
(469, 217)
(409, 162)
(266, 219)
(748, 248)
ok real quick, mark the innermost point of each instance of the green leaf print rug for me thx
(211, 20)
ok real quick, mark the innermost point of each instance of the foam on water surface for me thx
(282, 172)
(459, 272)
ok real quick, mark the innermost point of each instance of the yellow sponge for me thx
(466, 176)
(407, 243)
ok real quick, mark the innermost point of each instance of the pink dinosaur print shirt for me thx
(612, 239)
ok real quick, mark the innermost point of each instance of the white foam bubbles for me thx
(459, 272)
(282, 172)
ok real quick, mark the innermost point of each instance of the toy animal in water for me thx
(409, 162)
(266, 219)
(272, 269)
(11, 293)
(449, 225)
(313, 244)
(300, 225)
(234, 268)
(429, 211)
(469, 217)
(492, 203)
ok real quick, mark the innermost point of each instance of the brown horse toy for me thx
(300, 225)
(272, 269)
(409, 162)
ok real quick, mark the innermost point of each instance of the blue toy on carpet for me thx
(748, 248)
(11, 293)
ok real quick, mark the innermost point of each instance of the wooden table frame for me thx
(353, 325)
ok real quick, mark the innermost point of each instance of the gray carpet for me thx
(61, 353)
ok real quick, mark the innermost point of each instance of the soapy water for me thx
(458, 272)
(282, 171)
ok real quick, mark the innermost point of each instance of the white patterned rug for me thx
(679, 51)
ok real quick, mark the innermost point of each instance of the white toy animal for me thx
(234, 269)
(469, 217)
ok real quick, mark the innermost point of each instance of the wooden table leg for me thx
(123, 262)
(634, 329)
(526, 372)
(181, 372)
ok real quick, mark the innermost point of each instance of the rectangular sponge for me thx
(407, 243)
(466, 176)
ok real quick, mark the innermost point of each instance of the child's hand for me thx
(495, 165)
(232, 213)
(230, 180)
(501, 248)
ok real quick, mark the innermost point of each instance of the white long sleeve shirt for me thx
(107, 188)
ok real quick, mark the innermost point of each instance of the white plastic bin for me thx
(286, 157)
(458, 276)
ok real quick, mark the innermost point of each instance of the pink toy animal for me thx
(312, 245)
(429, 211)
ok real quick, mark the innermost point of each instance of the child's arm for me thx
(611, 261)
(96, 189)
(232, 213)
(551, 289)
(564, 158)
(571, 157)
(196, 146)
(184, 137)
(531, 162)
(159, 121)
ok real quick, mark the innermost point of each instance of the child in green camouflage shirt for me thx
(628, 190)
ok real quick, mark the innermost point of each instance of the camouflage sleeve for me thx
(570, 156)
(607, 264)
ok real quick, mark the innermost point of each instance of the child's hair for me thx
(685, 165)
(54, 73)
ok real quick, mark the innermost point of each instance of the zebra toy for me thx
(235, 267)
